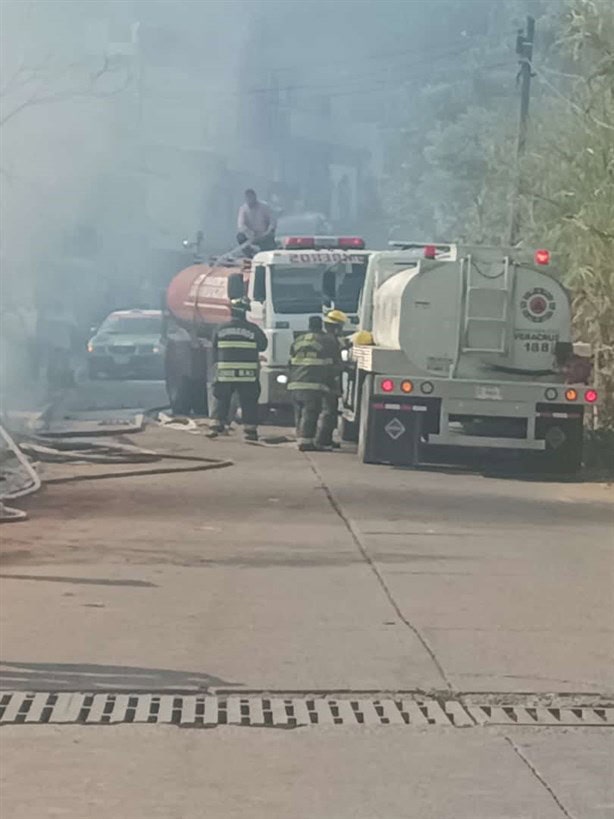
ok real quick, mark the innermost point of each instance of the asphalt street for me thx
(292, 578)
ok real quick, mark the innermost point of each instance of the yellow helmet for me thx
(335, 317)
(363, 338)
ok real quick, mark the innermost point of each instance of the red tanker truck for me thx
(285, 287)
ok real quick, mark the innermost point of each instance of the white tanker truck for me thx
(465, 347)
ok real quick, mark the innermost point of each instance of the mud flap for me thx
(395, 433)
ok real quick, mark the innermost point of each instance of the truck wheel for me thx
(365, 442)
(349, 430)
(563, 452)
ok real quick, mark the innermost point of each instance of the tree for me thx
(49, 83)
(459, 173)
(568, 179)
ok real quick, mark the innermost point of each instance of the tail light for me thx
(387, 385)
(430, 251)
(551, 394)
(406, 386)
(590, 396)
(426, 387)
(542, 257)
(571, 395)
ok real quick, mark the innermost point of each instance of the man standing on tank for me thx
(256, 222)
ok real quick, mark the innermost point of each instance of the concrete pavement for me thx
(309, 574)
(335, 773)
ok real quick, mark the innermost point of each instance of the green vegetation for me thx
(458, 157)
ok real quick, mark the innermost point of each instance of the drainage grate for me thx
(280, 712)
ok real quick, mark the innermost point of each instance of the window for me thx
(300, 289)
(132, 325)
(297, 289)
(349, 287)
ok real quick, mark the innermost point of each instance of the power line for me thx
(324, 87)
(368, 57)
(384, 87)
(573, 105)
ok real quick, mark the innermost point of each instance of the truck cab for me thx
(288, 285)
(300, 278)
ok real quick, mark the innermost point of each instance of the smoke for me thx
(128, 126)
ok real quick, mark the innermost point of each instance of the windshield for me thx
(300, 289)
(133, 325)
(349, 287)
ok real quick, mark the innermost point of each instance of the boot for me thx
(250, 434)
(306, 446)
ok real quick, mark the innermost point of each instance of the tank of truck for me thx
(197, 297)
(480, 313)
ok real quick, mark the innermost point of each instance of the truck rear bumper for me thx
(457, 438)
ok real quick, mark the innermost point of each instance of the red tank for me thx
(198, 295)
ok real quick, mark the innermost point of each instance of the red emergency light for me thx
(300, 242)
(323, 243)
(430, 251)
(353, 242)
(542, 257)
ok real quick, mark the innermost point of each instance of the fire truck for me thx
(300, 278)
(465, 347)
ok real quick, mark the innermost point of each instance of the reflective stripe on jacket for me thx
(314, 362)
(237, 346)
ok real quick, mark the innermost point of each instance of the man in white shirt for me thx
(256, 222)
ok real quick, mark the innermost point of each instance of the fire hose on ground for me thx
(33, 449)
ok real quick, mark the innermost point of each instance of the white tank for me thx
(482, 313)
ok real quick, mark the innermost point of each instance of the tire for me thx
(563, 452)
(365, 444)
(349, 430)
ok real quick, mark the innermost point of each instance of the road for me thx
(259, 594)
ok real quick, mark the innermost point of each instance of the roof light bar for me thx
(353, 242)
(323, 243)
(301, 242)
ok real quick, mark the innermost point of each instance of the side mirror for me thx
(260, 283)
(235, 286)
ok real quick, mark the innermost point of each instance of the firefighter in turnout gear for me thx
(334, 321)
(315, 365)
(237, 346)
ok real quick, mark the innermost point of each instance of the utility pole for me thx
(524, 49)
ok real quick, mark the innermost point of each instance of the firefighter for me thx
(334, 321)
(315, 364)
(237, 345)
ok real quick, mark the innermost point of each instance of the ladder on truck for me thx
(486, 308)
